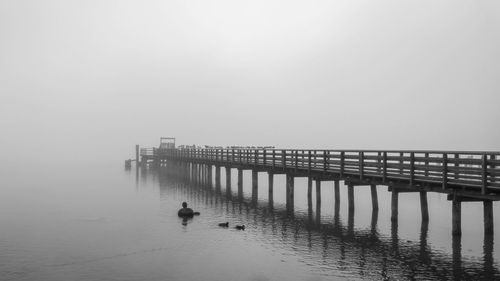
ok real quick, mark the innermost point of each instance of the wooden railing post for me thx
(274, 158)
(401, 162)
(445, 171)
(384, 168)
(426, 164)
(484, 173)
(361, 164)
(309, 162)
(325, 161)
(283, 159)
(296, 160)
(379, 162)
(412, 167)
(342, 159)
(493, 166)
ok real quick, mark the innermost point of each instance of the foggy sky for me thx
(101, 76)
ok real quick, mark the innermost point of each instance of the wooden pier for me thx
(465, 176)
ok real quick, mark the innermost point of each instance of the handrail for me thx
(478, 170)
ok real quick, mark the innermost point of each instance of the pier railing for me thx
(474, 170)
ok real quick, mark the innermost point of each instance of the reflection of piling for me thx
(489, 266)
(424, 230)
(419, 258)
(374, 222)
(488, 216)
(457, 257)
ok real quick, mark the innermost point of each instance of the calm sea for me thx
(108, 223)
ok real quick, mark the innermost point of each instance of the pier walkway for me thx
(464, 175)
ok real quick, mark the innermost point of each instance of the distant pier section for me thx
(465, 176)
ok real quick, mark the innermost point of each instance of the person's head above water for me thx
(184, 205)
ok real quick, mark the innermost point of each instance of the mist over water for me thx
(83, 82)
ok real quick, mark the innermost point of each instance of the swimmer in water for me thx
(185, 211)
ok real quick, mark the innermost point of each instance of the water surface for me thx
(106, 223)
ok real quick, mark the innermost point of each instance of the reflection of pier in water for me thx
(342, 247)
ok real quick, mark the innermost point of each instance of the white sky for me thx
(308, 74)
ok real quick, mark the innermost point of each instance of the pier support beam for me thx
(255, 185)
(289, 192)
(374, 197)
(203, 174)
(228, 177)
(271, 191)
(394, 205)
(318, 193)
(350, 197)
(309, 187)
(336, 189)
(424, 206)
(137, 160)
(209, 175)
(488, 217)
(240, 183)
(217, 177)
(456, 217)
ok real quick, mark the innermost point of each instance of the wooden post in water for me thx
(271, 187)
(228, 177)
(137, 160)
(203, 173)
(217, 176)
(394, 204)
(374, 197)
(289, 192)
(240, 183)
(456, 217)
(336, 189)
(488, 216)
(424, 206)
(209, 178)
(309, 187)
(350, 197)
(194, 178)
(255, 185)
(318, 192)
(350, 212)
